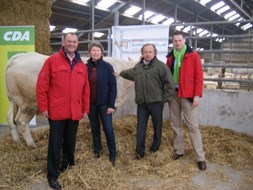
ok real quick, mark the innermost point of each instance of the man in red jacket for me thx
(186, 68)
(63, 96)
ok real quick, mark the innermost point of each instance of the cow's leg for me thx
(24, 118)
(12, 113)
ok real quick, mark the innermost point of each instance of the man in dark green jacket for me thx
(154, 86)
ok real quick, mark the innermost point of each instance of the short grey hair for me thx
(147, 45)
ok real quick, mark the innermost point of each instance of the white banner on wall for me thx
(128, 40)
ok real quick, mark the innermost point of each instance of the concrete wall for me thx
(227, 109)
(224, 108)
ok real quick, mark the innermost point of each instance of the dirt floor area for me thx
(229, 166)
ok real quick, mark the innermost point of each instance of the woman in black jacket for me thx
(103, 92)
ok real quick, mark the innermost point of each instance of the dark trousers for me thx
(61, 145)
(96, 113)
(155, 110)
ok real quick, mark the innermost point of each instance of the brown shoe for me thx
(202, 165)
(176, 156)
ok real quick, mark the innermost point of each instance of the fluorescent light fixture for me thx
(80, 2)
(51, 28)
(229, 14)
(106, 3)
(67, 30)
(223, 9)
(168, 21)
(246, 26)
(199, 30)
(237, 24)
(203, 33)
(234, 17)
(170, 45)
(217, 6)
(200, 49)
(132, 10)
(219, 39)
(98, 34)
(147, 14)
(186, 29)
(203, 2)
(179, 27)
(157, 19)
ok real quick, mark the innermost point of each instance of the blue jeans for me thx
(155, 110)
(97, 113)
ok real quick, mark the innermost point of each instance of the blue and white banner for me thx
(128, 40)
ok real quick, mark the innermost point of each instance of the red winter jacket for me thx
(190, 74)
(62, 91)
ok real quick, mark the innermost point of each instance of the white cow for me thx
(20, 80)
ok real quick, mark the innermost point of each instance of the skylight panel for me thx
(203, 33)
(80, 2)
(246, 26)
(204, 2)
(168, 21)
(217, 6)
(229, 14)
(67, 30)
(223, 9)
(147, 14)
(234, 17)
(240, 19)
(186, 29)
(157, 19)
(132, 10)
(98, 34)
(199, 30)
(219, 39)
(179, 27)
(106, 3)
(51, 28)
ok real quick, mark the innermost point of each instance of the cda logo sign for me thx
(17, 35)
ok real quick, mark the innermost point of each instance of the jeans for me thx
(97, 113)
(61, 144)
(143, 113)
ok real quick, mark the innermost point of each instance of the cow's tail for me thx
(11, 115)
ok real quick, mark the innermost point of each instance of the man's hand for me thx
(195, 101)
(110, 110)
(45, 114)
(117, 75)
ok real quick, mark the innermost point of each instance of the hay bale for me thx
(27, 12)
(22, 167)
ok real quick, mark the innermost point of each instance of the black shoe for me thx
(176, 156)
(202, 165)
(112, 160)
(54, 184)
(97, 155)
(64, 168)
(138, 156)
(153, 150)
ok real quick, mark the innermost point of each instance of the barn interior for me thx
(221, 31)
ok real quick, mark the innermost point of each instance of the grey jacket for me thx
(153, 82)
